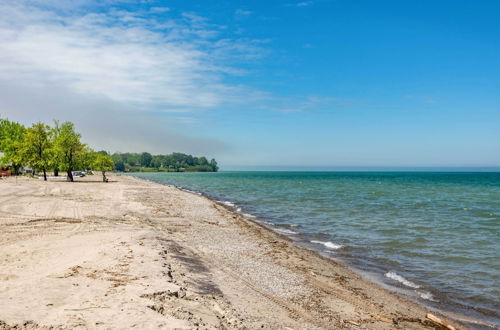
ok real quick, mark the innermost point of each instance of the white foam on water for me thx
(401, 279)
(329, 245)
(228, 203)
(285, 231)
(238, 209)
(426, 295)
(249, 215)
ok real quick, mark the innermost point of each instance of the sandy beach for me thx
(135, 254)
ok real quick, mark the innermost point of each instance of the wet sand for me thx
(131, 253)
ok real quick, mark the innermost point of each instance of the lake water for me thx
(429, 235)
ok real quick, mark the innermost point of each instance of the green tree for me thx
(119, 165)
(157, 161)
(86, 158)
(69, 150)
(201, 161)
(146, 159)
(36, 149)
(102, 163)
(11, 142)
(214, 165)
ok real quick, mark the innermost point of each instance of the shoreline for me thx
(161, 257)
(402, 290)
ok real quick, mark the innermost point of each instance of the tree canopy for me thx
(36, 150)
(69, 149)
(103, 163)
(11, 143)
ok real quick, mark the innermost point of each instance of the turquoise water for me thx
(432, 236)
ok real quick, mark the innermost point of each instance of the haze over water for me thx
(433, 236)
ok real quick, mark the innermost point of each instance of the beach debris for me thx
(352, 322)
(437, 320)
(383, 319)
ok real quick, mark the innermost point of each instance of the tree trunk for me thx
(70, 176)
(103, 176)
(44, 175)
(56, 172)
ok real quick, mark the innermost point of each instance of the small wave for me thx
(238, 209)
(329, 245)
(401, 279)
(228, 203)
(249, 215)
(285, 231)
(426, 295)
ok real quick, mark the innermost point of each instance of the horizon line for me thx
(230, 168)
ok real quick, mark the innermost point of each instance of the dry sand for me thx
(131, 253)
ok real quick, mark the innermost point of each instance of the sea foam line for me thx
(285, 231)
(227, 203)
(423, 294)
(427, 296)
(392, 275)
(329, 245)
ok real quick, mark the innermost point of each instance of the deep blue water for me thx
(433, 236)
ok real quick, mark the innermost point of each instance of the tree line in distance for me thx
(59, 148)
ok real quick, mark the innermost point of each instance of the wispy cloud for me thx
(159, 10)
(304, 104)
(125, 56)
(300, 4)
(243, 12)
(107, 68)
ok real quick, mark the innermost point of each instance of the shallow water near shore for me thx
(432, 236)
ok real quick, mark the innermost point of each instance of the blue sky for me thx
(306, 83)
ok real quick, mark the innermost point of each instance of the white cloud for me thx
(118, 54)
(243, 12)
(301, 4)
(159, 10)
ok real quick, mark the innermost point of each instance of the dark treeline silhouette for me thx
(175, 162)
